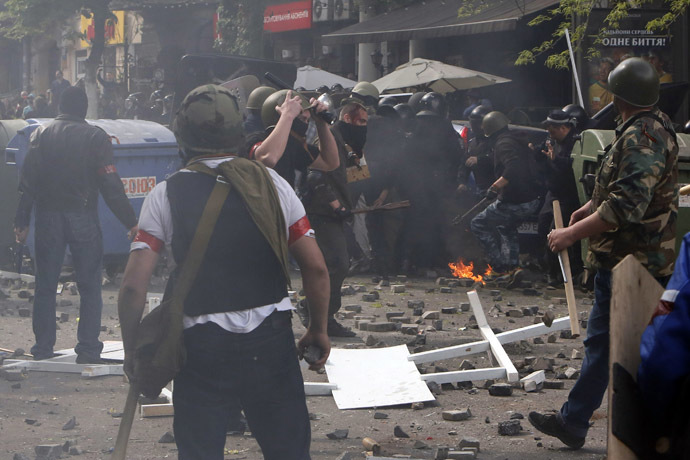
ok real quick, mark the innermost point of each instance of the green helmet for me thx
(208, 121)
(257, 97)
(365, 92)
(636, 82)
(269, 115)
(493, 122)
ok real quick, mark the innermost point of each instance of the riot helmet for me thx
(414, 101)
(579, 114)
(257, 97)
(269, 115)
(636, 82)
(434, 103)
(208, 121)
(494, 122)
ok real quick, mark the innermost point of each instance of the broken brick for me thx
(500, 389)
(509, 428)
(456, 415)
(381, 327)
(431, 315)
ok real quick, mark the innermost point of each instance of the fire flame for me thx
(460, 270)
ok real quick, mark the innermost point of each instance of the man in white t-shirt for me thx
(238, 334)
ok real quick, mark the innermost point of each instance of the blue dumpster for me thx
(145, 153)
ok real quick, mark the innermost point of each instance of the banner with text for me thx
(288, 16)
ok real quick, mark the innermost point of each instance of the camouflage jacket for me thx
(637, 190)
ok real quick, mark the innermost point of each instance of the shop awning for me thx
(435, 19)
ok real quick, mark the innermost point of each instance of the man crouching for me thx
(237, 315)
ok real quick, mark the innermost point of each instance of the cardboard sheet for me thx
(375, 378)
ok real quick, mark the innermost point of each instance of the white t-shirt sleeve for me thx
(155, 221)
(296, 221)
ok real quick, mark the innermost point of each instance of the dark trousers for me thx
(260, 369)
(588, 392)
(330, 236)
(54, 231)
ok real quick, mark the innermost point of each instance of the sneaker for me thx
(335, 329)
(303, 312)
(42, 356)
(89, 359)
(552, 425)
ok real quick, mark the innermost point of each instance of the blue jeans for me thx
(496, 230)
(259, 369)
(588, 392)
(54, 231)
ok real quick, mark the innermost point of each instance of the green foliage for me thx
(240, 24)
(22, 18)
(561, 18)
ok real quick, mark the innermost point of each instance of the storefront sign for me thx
(288, 16)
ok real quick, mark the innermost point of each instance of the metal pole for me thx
(572, 60)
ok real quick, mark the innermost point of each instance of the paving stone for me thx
(397, 288)
(417, 406)
(347, 290)
(48, 451)
(560, 356)
(572, 373)
(75, 450)
(70, 425)
(380, 415)
(24, 312)
(509, 428)
(469, 442)
(538, 341)
(583, 323)
(517, 416)
(435, 388)
(369, 298)
(441, 281)
(415, 304)
(371, 341)
(359, 287)
(362, 325)
(551, 384)
(384, 283)
(576, 354)
(498, 298)
(533, 382)
(553, 338)
(466, 282)
(437, 324)
(441, 453)
(527, 311)
(381, 327)
(449, 310)
(548, 318)
(465, 306)
(420, 445)
(543, 364)
(401, 320)
(409, 329)
(515, 313)
(453, 283)
(471, 450)
(338, 434)
(500, 389)
(13, 374)
(566, 334)
(431, 315)
(354, 308)
(24, 294)
(456, 415)
(64, 317)
(399, 433)
(446, 290)
(460, 454)
(393, 314)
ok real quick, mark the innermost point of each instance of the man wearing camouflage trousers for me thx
(633, 210)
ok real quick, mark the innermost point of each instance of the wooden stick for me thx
(685, 190)
(7, 350)
(384, 207)
(569, 286)
(120, 451)
(634, 296)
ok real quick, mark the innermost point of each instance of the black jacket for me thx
(68, 163)
(514, 161)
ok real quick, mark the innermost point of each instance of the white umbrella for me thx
(310, 78)
(437, 76)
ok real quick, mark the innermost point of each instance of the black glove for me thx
(491, 193)
(343, 213)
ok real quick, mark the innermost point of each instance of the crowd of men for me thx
(238, 339)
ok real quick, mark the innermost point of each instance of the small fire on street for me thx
(460, 270)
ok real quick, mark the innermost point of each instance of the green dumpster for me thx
(589, 150)
(8, 189)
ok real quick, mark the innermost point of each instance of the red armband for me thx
(154, 243)
(252, 152)
(299, 229)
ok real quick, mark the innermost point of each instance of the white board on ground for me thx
(375, 378)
